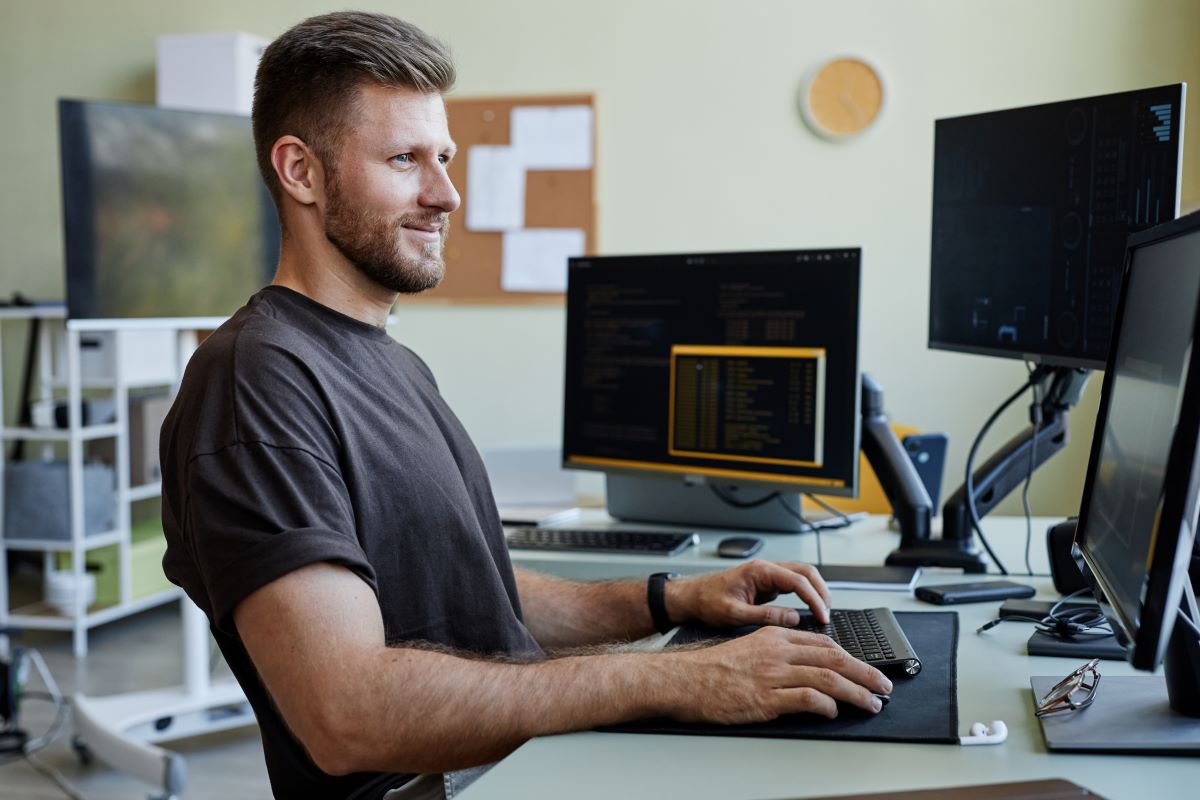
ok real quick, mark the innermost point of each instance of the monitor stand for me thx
(1148, 714)
(675, 501)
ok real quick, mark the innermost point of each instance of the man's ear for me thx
(298, 169)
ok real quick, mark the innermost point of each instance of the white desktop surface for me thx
(993, 683)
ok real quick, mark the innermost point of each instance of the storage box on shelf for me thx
(107, 359)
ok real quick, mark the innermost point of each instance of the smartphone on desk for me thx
(947, 594)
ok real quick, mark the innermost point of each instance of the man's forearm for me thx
(421, 711)
(562, 613)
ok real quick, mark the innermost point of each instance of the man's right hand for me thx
(770, 672)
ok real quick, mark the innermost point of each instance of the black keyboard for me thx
(601, 540)
(871, 635)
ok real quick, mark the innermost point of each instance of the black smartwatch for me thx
(656, 598)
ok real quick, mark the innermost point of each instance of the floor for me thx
(139, 652)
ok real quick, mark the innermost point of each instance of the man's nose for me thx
(440, 193)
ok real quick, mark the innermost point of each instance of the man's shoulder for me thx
(254, 344)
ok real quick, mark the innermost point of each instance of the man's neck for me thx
(318, 271)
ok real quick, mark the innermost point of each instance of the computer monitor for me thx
(713, 388)
(164, 212)
(1031, 210)
(1136, 535)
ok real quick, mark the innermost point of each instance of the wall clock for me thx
(842, 97)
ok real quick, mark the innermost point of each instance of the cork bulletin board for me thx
(553, 198)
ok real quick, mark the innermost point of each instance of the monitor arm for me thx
(897, 476)
(910, 502)
(1060, 388)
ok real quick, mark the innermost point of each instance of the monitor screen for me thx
(1139, 506)
(741, 367)
(1031, 209)
(164, 212)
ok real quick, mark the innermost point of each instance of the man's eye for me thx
(445, 159)
(403, 158)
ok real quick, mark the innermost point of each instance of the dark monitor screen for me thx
(735, 366)
(1031, 210)
(164, 212)
(1139, 507)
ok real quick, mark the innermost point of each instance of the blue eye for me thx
(403, 158)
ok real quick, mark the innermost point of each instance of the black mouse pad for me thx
(923, 709)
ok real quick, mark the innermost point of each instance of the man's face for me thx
(388, 195)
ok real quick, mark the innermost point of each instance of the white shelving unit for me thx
(65, 381)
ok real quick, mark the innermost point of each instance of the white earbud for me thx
(995, 733)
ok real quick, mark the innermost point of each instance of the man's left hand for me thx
(738, 596)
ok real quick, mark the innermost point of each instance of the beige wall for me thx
(700, 147)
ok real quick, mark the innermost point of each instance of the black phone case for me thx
(955, 594)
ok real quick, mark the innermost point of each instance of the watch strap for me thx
(656, 598)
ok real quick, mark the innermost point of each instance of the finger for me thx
(834, 685)
(838, 660)
(814, 577)
(783, 578)
(768, 615)
(804, 699)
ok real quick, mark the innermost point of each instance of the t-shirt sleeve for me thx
(256, 512)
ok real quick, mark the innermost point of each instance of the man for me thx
(329, 514)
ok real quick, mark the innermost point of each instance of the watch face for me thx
(842, 97)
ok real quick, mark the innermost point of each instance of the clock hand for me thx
(845, 99)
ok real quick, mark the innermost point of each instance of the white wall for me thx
(700, 147)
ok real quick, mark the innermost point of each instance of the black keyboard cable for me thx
(1035, 417)
(1087, 622)
(972, 510)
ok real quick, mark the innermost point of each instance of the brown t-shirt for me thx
(301, 435)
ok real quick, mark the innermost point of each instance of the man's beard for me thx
(372, 243)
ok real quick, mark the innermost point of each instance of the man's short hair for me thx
(307, 81)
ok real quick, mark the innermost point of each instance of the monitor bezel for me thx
(1052, 359)
(1146, 637)
(77, 188)
(730, 478)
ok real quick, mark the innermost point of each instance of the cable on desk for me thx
(1080, 623)
(846, 522)
(808, 526)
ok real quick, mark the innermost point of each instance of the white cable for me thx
(60, 703)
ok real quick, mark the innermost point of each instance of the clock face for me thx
(842, 97)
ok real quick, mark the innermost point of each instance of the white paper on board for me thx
(552, 137)
(495, 189)
(535, 260)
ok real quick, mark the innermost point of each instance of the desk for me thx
(993, 684)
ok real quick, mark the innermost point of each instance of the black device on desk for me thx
(602, 540)
(1026, 609)
(739, 546)
(978, 592)
(872, 635)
